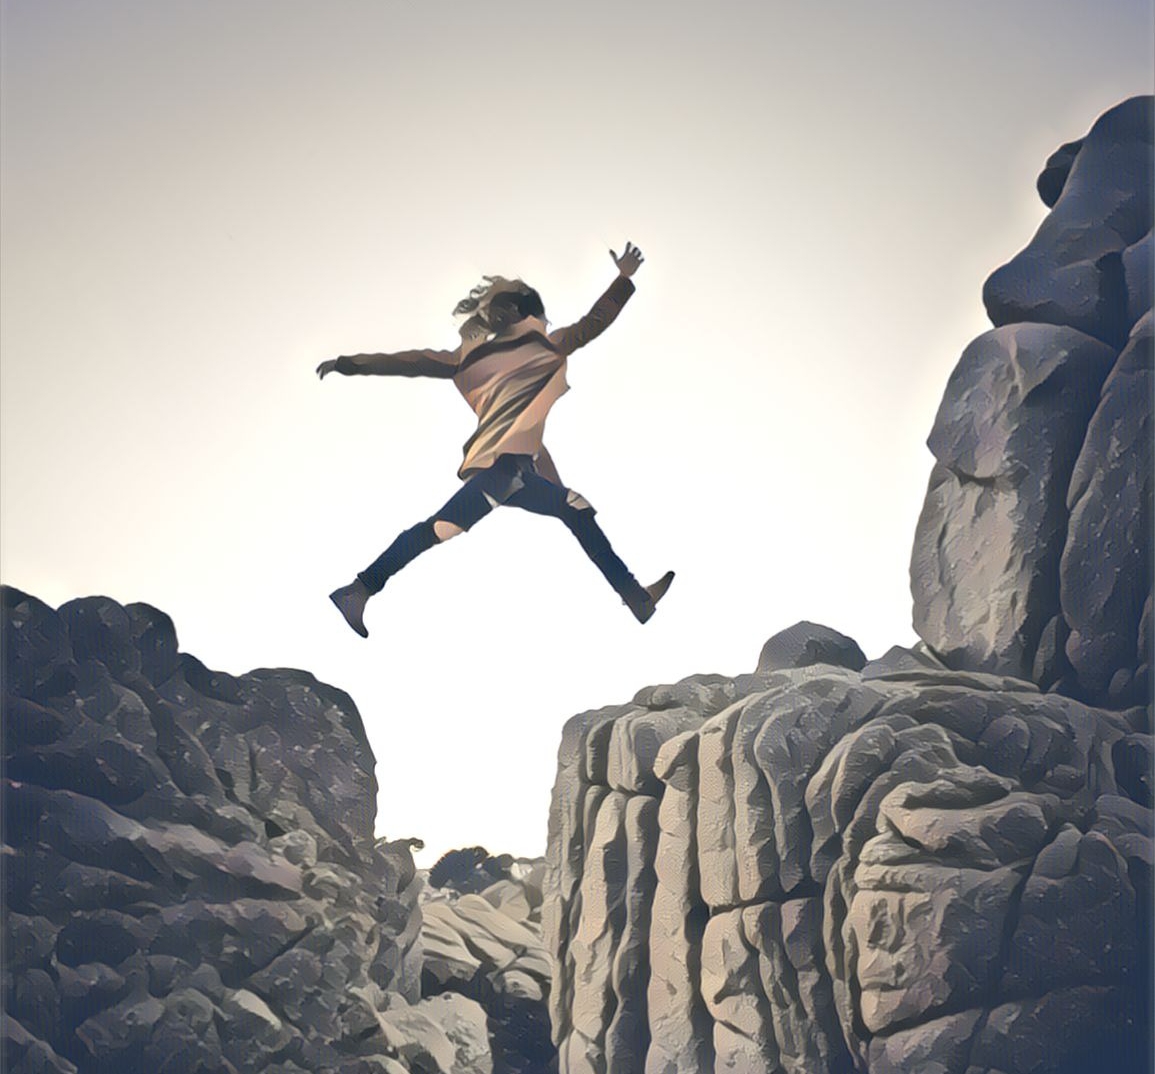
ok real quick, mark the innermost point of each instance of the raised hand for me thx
(326, 367)
(629, 261)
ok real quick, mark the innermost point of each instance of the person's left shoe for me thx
(643, 609)
(351, 601)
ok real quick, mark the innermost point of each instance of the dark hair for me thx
(527, 303)
(514, 293)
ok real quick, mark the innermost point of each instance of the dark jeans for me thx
(511, 480)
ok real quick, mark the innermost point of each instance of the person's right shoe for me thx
(351, 600)
(643, 609)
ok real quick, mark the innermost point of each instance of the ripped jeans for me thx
(512, 480)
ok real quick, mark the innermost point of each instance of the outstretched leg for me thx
(468, 505)
(545, 498)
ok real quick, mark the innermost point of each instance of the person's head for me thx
(496, 304)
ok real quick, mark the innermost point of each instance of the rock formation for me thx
(190, 874)
(1032, 555)
(939, 860)
(481, 937)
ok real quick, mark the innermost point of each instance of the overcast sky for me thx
(203, 200)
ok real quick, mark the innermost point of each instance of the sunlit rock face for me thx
(938, 860)
(1032, 555)
(825, 870)
(191, 877)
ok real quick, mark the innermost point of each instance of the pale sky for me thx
(203, 200)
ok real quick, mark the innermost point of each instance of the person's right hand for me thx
(326, 367)
(629, 261)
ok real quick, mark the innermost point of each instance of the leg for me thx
(545, 498)
(468, 505)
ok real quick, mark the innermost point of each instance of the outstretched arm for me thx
(606, 308)
(424, 363)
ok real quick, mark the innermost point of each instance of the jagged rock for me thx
(191, 872)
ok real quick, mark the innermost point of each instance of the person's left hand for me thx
(629, 261)
(326, 367)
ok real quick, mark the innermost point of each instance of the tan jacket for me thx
(510, 380)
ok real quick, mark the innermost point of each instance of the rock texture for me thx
(821, 870)
(1032, 553)
(481, 936)
(939, 860)
(191, 877)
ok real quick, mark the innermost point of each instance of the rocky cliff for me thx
(939, 860)
(191, 880)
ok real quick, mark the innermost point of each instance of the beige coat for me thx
(510, 380)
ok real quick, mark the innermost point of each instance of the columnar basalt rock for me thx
(191, 877)
(939, 848)
(939, 860)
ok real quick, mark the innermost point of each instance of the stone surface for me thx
(191, 873)
(810, 643)
(1070, 273)
(1105, 573)
(936, 846)
(1032, 554)
(984, 572)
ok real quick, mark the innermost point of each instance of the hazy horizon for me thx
(201, 201)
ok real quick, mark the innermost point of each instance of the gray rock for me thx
(1071, 272)
(743, 1035)
(24, 1053)
(1077, 918)
(925, 863)
(100, 629)
(1053, 177)
(628, 1032)
(1137, 272)
(603, 891)
(199, 849)
(1071, 1030)
(38, 661)
(1105, 574)
(442, 1035)
(984, 571)
(810, 643)
(898, 660)
(634, 743)
(940, 1046)
(680, 1026)
(788, 940)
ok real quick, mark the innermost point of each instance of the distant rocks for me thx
(191, 877)
(1032, 554)
(482, 937)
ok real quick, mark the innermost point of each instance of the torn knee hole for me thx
(443, 530)
(577, 501)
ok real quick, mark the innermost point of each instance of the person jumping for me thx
(511, 370)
